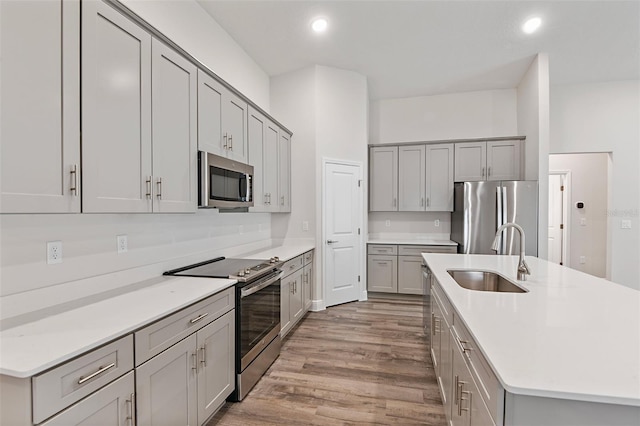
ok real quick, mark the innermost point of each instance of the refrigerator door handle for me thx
(505, 219)
(499, 215)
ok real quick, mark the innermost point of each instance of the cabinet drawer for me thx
(382, 249)
(308, 257)
(292, 265)
(64, 385)
(486, 380)
(162, 334)
(112, 404)
(418, 250)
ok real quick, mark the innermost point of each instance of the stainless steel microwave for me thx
(224, 183)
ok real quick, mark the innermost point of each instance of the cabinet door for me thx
(210, 114)
(308, 286)
(285, 301)
(383, 179)
(116, 112)
(382, 273)
(216, 359)
(462, 397)
(446, 366)
(295, 298)
(256, 132)
(112, 405)
(503, 160)
(40, 116)
(174, 131)
(409, 274)
(436, 337)
(284, 168)
(439, 177)
(470, 161)
(270, 168)
(234, 124)
(166, 386)
(411, 178)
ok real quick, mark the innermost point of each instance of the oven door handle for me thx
(248, 291)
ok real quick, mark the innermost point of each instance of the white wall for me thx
(533, 121)
(587, 227)
(189, 26)
(326, 108)
(489, 113)
(605, 117)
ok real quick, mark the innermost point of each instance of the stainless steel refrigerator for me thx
(479, 208)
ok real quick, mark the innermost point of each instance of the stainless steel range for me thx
(257, 313)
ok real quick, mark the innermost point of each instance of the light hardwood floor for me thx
(357, 363)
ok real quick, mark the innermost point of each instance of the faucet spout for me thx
(523, 268)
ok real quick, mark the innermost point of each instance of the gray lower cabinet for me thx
(295, 291)
(113, 405)
(398, 268)
(307, 279)
(188, 382)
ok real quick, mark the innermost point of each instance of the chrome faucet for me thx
(523, 268)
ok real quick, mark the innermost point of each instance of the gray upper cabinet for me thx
(256, 133)
(40, 116)
(493, 160)
(411, 178)
(439, 177)
(284, 170)
(222, 120)
(174, 131)
(383, 179)
(116, 112)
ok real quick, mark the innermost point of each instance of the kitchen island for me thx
(566, 351)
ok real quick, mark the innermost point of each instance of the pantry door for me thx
(342, 231)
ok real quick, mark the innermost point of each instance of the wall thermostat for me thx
(580, 205)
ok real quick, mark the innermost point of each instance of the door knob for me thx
(331, 241)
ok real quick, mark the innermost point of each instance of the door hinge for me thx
(359, 183)
(561, 226)
(561, 187)
(358, 231)
(358, 278)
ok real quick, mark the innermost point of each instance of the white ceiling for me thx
(414, 48)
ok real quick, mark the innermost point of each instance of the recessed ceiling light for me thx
(531, 25)
(319, 25)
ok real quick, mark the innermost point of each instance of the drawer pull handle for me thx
(101, 370)
(198, 318)
(131, 402)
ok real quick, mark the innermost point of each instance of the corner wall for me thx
(605, 117)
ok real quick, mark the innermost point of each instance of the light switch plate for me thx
(305, 225)
(583, 259)
(387, 223)
(625, 224)
(583, 221)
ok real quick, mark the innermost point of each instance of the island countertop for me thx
(571, 336)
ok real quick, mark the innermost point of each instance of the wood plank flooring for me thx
(357, 363)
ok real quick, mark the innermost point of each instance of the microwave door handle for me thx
(248, 191)
(204, 179)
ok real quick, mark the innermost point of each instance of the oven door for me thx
(259, 317)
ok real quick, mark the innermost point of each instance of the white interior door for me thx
(342, 215)
(554, 252)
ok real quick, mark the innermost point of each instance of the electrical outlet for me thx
(305, 225)
(122, 243)
(436, 223)
(54, 252)
(625, 224)
(583, 221)
(387, 223)
(583, 259)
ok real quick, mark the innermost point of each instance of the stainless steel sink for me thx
(484, 281)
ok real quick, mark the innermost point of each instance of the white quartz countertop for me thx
(284, 251)
(411, 241)
(571, 336)
(33, 347)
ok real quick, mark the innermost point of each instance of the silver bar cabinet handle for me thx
(198, 318)
(159, 194)
(231, 142)
(428, 202)
(331, 241)
(483, 172)
(489, 172)
(194, 358)
(282, 200)
(203, 350)
(224, 141)
(101, 370)
(421, 201)
(460, 409)
(74, 174)
(132, 414)
(149, 187)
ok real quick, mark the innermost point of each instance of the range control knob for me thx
(275, 259)
(247, 271)
(241, 273)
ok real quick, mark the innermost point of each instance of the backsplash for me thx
(418, 224)
(89, 247)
